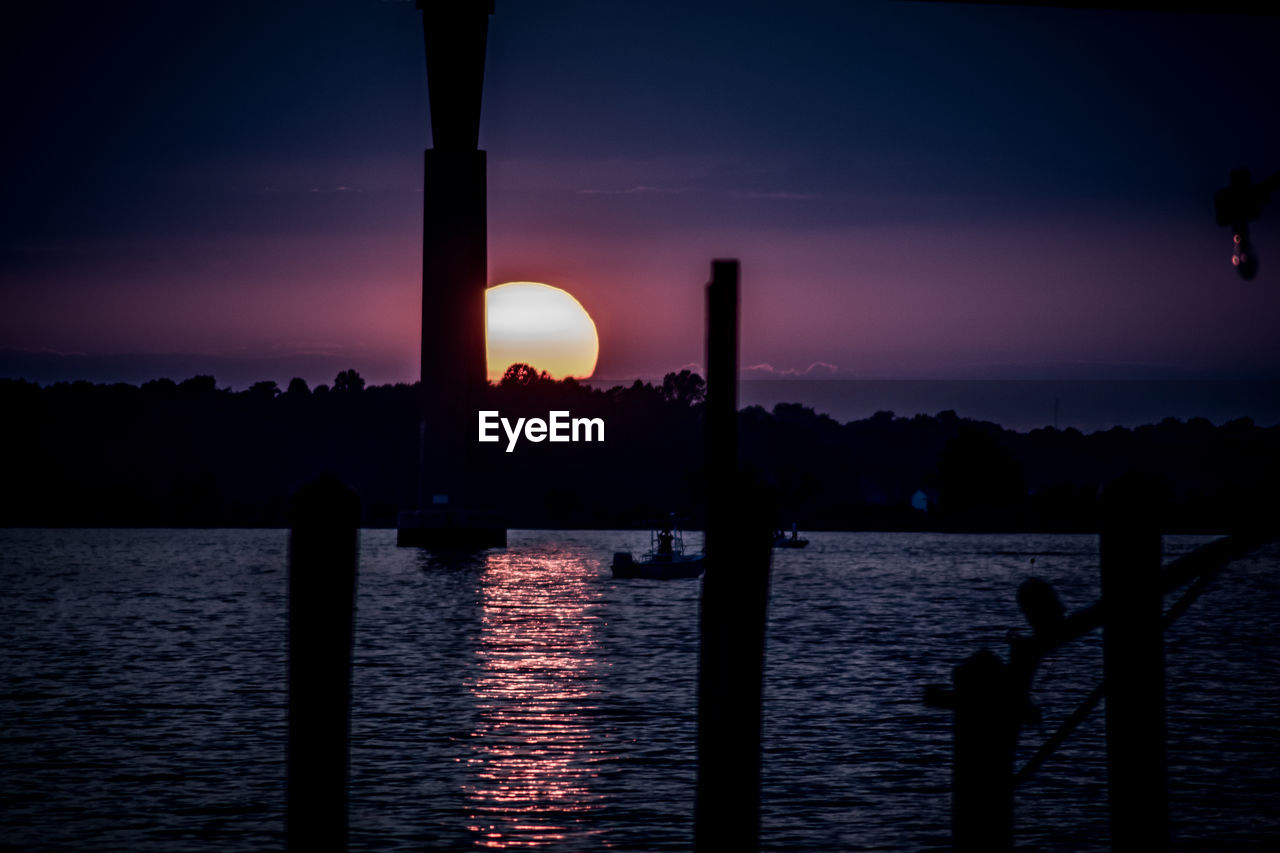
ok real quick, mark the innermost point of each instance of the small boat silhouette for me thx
(665, 559)
(782, 540)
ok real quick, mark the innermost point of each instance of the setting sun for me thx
(539, 325)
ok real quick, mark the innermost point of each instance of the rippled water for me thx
(526, 699)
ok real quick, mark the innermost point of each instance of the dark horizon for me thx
(187, 454)
(1017, 403)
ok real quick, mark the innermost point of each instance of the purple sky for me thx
(915, 190)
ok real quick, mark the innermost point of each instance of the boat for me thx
(665, 559)
(782, 540)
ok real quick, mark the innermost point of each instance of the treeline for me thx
(191, 454)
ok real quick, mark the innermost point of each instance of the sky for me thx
(915, 190)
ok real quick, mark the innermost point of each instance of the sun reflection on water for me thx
(530, 768)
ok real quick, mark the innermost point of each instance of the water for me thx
(526, 699)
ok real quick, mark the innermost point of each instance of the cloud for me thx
(649, 189)
(637, 190)
(781, 195)
(816, 370)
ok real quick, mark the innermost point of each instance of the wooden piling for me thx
(988, 706)
(1133, 663)
(735, 591)
(322, 583)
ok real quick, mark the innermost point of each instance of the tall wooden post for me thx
(322, 588)
(735, 590)
(988, 705)
(1133, 662)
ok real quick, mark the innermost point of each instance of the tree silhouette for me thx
(267, 388)
(298, 387)
(160, 387)
(684, 387)
(348, 381)
(198, 385)
(521, 374)
(97, 455)
(978, 473)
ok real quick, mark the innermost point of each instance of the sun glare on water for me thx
(531, 323)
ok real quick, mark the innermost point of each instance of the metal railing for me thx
(990, 698)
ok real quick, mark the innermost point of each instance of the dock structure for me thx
(454, 277)
(991, 700)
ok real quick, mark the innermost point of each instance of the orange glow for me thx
(539, 325)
